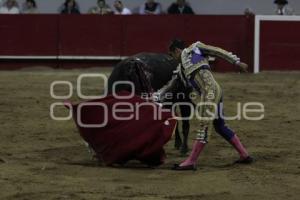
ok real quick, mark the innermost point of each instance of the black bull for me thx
(150, 72)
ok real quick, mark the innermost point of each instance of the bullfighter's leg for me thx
(230, 136)
(203, 82)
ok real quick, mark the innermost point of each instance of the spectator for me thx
(120, 9)
(70, 7)
(248, 12)
(282, 8)
(10, 7)
(180, 7)
(150, 8)
(102, 8)
(30, 7)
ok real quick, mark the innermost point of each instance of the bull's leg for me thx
(185, 113)
(178, 141)
(185, 133)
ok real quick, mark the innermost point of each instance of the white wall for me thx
(199, 6)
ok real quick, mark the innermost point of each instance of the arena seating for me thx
(89, 40)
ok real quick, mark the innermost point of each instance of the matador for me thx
(194, 71)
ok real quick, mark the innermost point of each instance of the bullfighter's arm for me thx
(221, 53)
(161, 94)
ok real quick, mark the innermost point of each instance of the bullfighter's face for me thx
(176, 54)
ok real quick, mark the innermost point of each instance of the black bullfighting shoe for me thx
(247, 160)
(177, 167)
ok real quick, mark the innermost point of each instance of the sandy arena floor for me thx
(42, 159)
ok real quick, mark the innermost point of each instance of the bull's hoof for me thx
(178, 145)
(184, 150)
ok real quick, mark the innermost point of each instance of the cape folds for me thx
(140, 137)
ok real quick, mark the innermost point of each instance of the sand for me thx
(43, 159)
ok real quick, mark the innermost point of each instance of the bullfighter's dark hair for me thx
(176, 43)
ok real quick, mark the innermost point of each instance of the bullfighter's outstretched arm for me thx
(160, 95)
(220, 53)
(217, 52)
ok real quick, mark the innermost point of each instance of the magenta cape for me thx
(119, 141)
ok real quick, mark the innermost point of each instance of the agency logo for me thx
(252, 111)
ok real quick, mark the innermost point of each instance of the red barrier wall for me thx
(280, 45)
(90, 35)
(29, 35)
